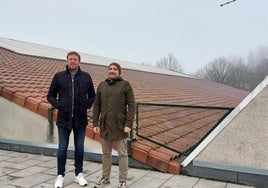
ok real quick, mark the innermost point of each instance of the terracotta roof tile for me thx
(32, 103)
(155, 160)
(172, 131)
(174, 167)
(139, 154)
(19, 98)
(6, 93)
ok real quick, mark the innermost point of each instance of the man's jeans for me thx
(79, 138)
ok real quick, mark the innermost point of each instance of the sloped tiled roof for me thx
(164, 133)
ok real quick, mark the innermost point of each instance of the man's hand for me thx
(126, 129)
(96, 129)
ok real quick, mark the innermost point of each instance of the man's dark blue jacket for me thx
(71, 98)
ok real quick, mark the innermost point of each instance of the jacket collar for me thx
(69, 72)
(113, 80)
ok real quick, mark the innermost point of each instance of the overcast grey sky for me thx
(195, 31)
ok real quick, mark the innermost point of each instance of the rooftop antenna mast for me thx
(228, 2)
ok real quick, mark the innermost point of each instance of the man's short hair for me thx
(74, 53)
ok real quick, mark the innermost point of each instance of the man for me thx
(113, 116)
(72, 93)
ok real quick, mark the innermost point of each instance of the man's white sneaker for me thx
(80, 180)
(59, 181)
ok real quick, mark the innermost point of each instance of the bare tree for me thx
(169, 63)
(258, 63)
(233, 72)
(260, 72)
(241, 76)
(218, 70)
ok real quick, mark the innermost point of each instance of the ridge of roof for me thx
(39, 50)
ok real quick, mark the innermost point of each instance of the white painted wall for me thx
(19, 123)
(244, 141)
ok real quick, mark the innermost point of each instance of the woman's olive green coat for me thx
(114, 108)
